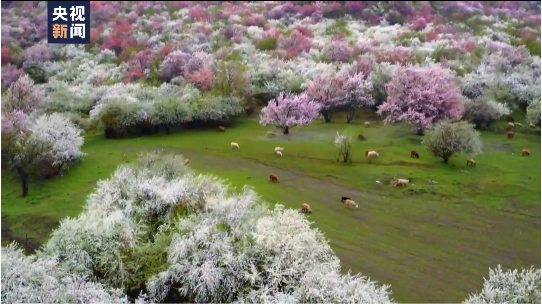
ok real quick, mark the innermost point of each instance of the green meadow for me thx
(430, 242)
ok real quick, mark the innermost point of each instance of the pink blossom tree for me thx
(23, 95)
(365, 64)
(328, 92)
(357, 95)
(296, 42)
(202, 79)
(175, 64)
(10, 74)
(289, 110)
(15, 121)
(338, 51)
(6, 55)
(422, 97)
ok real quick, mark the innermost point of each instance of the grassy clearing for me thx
(431, 243)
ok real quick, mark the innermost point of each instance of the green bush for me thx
(533, 46)
(267, 44)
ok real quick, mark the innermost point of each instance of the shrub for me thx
(447, 138)
(118, 117)
(267, 44)
(169, 111)
(344, 143)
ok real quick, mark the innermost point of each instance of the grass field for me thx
(431, 243)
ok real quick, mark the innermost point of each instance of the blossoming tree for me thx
(289, 110)
(447, 138)
(327, 91)
(422, 97)
(357, 89)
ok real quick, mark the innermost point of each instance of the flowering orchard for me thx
(162, 66)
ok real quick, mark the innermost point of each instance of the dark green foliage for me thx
(267, 44)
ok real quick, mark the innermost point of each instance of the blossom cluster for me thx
(281, 48)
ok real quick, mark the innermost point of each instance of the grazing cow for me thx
(525, 152)
(510, 125)
(532, 125)
(510, 135)
(471, 162)
(350, 203)
(274, 178)
(234, 145)
(344, 198)
(186, 161)
(221, 129)
(370, 155)
(306, 208)
(271, 134)
(367, 124)
(517, 124)
(414, 153)
(402, 182)
(278, 153)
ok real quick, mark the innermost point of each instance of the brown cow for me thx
(532, 125)
(525, 152)
(186, 161)
(470, 162)
(221, 129)
(510, 135)
(306, 208)
(414, 153)
(274, 178)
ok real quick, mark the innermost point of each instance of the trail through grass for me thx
(431, 243)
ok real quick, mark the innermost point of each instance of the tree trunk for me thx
(420, 132)
(327, 116)
(24, 182)
(167, 128)
(446, 158)
(286, 130)
(350, 115)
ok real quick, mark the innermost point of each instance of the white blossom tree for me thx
(344, 143)
(39, 147)
(24, 155)
(30, 279)
(221, 246)
(63, 136)
(484, 111)
(511, 286)
(533, 112)
(447, 138)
